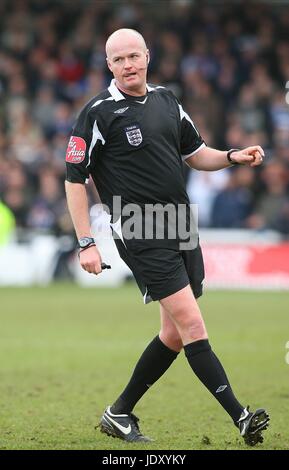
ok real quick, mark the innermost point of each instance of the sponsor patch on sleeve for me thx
(75, 150)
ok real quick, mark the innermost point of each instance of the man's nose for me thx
(127, 63)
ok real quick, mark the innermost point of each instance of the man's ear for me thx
(108, 63)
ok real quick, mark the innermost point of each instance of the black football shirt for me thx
(133, 147)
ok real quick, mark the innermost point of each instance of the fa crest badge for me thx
(134, 135)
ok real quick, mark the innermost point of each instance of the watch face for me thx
(83, 242)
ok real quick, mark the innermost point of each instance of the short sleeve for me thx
(82, 146)
(191, 140)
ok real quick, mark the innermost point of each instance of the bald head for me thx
(122, 38)
(127, 58)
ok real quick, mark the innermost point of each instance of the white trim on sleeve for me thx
(184, 157)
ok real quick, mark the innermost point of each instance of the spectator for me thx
(272, 206)
(233, 205)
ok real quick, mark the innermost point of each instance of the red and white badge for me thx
(75, 150)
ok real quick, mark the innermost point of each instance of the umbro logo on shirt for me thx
(121, 110)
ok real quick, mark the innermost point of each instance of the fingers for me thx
(253, 155)
(254, 148)
(258, 159)
(91, 268)
(90, 260)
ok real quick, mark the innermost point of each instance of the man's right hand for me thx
(90, 260)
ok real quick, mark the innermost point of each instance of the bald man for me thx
(132, 139)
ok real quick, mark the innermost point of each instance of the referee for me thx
(132, 139)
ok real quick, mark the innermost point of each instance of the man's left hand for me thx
(252, 156)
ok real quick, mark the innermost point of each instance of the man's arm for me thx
(90, 258)
(209, 159)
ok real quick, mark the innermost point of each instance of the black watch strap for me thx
(85, 242)
(85, 248)
(229, 153)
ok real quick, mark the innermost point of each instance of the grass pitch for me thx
(67, 352)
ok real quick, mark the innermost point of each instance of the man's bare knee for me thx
(186, 316)
(196, 331)
(191, 328)
(171, 339)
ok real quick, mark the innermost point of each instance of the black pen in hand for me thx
(105, 266)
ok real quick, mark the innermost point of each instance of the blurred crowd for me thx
(228, 62)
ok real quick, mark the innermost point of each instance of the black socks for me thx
(210, 371)
(157, 358)
(153, 363)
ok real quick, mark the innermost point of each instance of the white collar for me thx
(117, 95)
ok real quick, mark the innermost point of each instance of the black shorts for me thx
(160, 268)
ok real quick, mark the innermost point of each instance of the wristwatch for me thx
(229, 156)
(85, 242)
